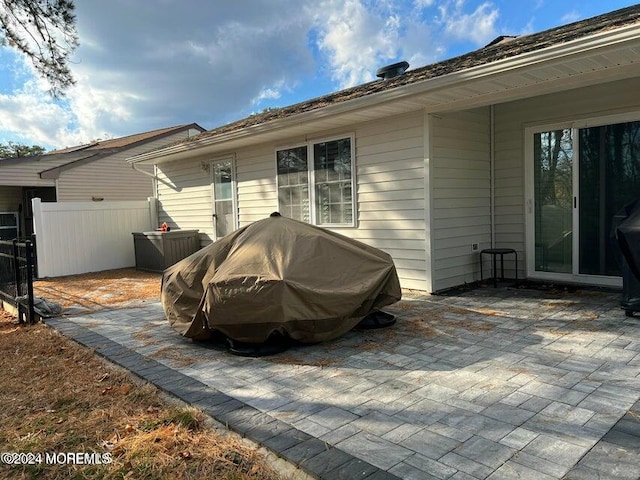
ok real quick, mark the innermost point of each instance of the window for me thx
(8, 225)
(293, 183)
(322, 194)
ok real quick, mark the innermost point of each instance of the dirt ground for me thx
(96, 291)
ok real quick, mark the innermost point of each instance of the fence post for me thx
(153, 212)
(28, 254)
(16, 274)
(38, 231)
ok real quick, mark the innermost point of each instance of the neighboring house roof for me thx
(51, 164)
(498, 52)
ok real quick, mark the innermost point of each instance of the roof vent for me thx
(501, 40)
(391, 71)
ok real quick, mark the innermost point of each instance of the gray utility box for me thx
(155, 251)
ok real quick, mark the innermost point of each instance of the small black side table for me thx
(494, 252)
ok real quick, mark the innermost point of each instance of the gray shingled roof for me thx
(90, 152)
(496, 50)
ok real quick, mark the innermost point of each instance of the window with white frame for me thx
(316, 182)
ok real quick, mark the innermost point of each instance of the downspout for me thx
(492, 173)
(149, 174)
(153, 201)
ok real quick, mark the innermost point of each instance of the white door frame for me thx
(234, 194)
(575, 276)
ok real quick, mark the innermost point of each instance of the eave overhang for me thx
(604, 57)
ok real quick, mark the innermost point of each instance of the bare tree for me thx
(45, 31)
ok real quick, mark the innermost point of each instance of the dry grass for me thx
(59, 397)
(95, 291)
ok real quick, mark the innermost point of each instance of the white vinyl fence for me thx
(80, 237)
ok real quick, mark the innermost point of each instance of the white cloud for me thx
(356, 40)
(142, 66)
(478, 26)
(146, 65)
(571, 17)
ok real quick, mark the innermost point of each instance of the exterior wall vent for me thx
(391, 71)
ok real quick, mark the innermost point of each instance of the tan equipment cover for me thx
(278, 275)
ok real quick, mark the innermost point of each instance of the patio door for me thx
(225, 218)
(579, 178)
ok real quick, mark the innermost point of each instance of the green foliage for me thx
(13, 150)
(44, 31)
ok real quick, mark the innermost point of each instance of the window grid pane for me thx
(293, 183)
(222, 177)
(332, 171)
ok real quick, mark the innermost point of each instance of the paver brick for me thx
(430, 444)
(519, 438)
(375, 450)
(352, 470)
(382, 475)
(304, 450)
(339, 434)
(505, 413)
(485, 451)
(408, 472)
(540, 464)
(263, 429)
(478, 424)
(552, 392)
(613, 460)
(512, 470)
(466, 465)
(555, 450)
(568, 413)
(285, 439)
(327, 460)
(312, 428)
(580, 472)
(333, 417)
(623, 439)
(430, 467)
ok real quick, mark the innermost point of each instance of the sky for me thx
(152, 64)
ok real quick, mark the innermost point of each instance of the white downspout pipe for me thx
(492, 173)
(149, 174)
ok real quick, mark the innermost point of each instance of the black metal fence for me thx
(17, 261)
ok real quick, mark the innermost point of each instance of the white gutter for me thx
(148, 174)
(580, 47)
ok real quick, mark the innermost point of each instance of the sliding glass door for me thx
(609, 179)
(580, 178)
(553, 200)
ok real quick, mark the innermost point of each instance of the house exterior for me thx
(97, 171)
(530, 143)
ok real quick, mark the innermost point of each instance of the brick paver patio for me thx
(489, 383)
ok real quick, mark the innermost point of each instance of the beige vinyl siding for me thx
(185, 197)
(461, 194)
(26, 173)
(111, 178)
(391, 193)
(512, 118)
(390, 190)
(256, 177)
(10, 198)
